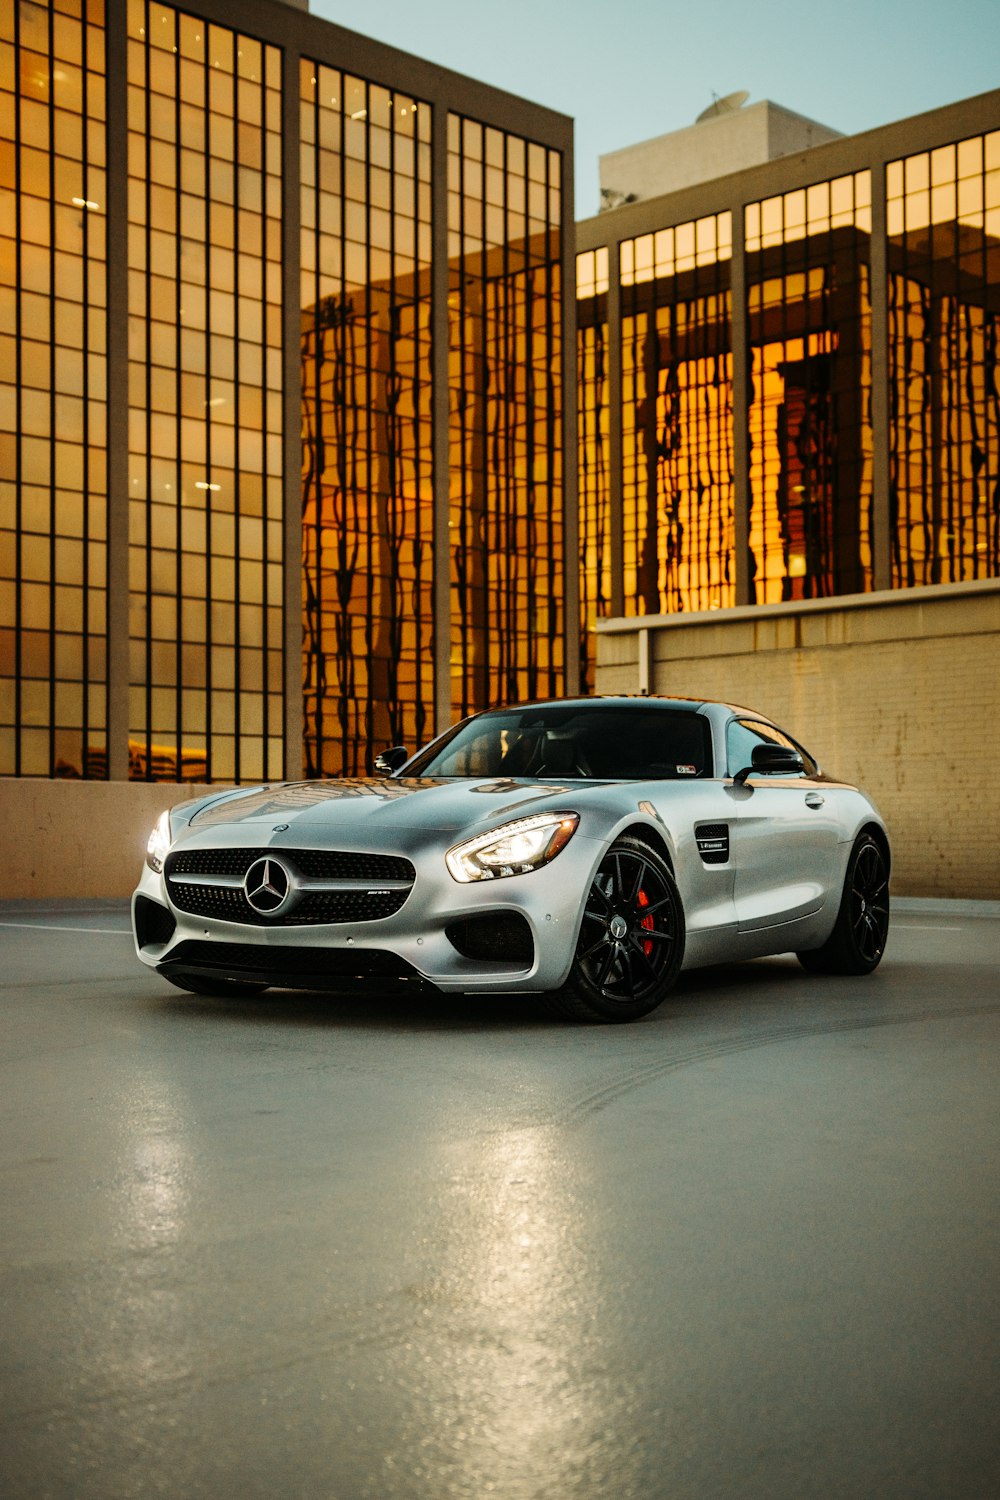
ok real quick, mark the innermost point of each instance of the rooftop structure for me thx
(728, 137)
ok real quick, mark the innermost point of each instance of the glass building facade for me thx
(506, 446)
(677, 385)
(53, 390)
(788, 378)
(283, 401)
(204, 400)
(367, 435)
(943, 221)
(593, 450)
(809, 342)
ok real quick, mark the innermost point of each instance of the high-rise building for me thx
(284, 401)
(788, 376)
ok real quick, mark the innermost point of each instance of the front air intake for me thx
(502, 937)
(154, 924)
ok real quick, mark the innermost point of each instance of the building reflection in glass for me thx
(594, 456)
(53, 390)
(366, 419)
(943, 217)
(505, 417)
(205, 382)
(809, 314)
(677, 393)
(204, 198)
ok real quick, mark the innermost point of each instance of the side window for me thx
(740, 740)
(743, 734)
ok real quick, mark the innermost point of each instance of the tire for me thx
(857, 942)
(228, 989)
(631, 939)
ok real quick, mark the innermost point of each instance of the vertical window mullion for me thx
(54, 581)
(179, 703)
(85, 579)
(147, 240)
(208, 494)
(18, 413)
(238, 646)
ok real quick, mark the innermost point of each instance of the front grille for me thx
(317, 864)
(345, 906)
(713, 843)
(228, 902)
(309, 968)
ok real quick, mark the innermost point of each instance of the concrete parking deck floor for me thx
(313, 1247)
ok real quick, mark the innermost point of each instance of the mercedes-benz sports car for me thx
(583, 850)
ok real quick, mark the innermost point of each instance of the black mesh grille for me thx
(212, 862)
(312, 967)
(345, 906)
(226, 902)
(153, 923)
(495, 937)
(229, 903)
(317, 864)
(713, 843)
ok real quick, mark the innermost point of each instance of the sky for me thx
(627, 70)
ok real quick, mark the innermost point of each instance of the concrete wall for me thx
(899, 693)
(78, 838)
(712, 148)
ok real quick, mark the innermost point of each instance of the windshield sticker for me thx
(687, 770)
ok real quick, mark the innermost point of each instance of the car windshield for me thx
(572, 742)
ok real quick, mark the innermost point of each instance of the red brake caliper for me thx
(646, 922)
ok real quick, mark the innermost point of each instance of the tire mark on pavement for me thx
(626, 1083)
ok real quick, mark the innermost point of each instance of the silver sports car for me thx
(583, 850)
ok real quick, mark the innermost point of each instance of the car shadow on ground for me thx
(422, 1009)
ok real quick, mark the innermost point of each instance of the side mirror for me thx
(771, 760)
(388, 761)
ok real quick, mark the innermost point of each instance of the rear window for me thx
(576, 743)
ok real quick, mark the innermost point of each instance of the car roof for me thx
(623, 700)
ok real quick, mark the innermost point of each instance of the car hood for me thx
(417, 804)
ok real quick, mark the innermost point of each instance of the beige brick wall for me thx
(899, 693)
(78, 838)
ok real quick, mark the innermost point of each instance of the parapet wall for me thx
(78, 838)
(898, 692)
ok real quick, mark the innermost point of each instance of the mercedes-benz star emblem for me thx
(266, 885)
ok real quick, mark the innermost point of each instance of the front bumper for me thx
(413, 944)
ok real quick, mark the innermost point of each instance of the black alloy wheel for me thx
(631, 938)
(859, 937)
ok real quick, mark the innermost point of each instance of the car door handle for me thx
(814, 799)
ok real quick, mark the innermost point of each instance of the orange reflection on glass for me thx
(677, 463)
(205, 443)
(366, 413)
(53, 392)
(505, 361)
(809, 317)
(594, 462)
(943, 214)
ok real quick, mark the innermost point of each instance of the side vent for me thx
(713, 843)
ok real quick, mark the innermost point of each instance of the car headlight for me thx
(513, 849)
(159, 843)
